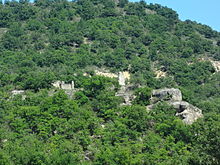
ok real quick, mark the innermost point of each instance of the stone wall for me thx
(63, 85)
(17, 92)
(106, 74)
(125, 91)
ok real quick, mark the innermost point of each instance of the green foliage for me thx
(47, 41)
(206, 140)
(143, 96)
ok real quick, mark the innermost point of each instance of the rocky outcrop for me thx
(167, 94)
(106, 74)
(216, 65)
(187, 112)
(123, 77)
(160, 74)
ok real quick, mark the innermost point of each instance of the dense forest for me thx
(45, 41)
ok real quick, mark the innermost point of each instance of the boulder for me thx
(216, 65)
(187, 112)
(167, 94)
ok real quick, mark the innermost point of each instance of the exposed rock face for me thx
(122, 77)
(63, 85)
(160, 74)
(187, 112)
(166, 95)
(106, 74)
(216, 65)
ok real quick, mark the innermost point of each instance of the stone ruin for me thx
(106, 74)
(126, 91)
(187, 112)
(63, 85)
(18, 92)
(123, 77)
(67, 87)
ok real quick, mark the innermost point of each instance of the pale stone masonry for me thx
(63, 85)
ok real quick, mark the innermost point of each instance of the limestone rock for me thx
(160, 74)
(122, 77)
(167, 94)
(216, 65)
(106, 74)
(187, 112)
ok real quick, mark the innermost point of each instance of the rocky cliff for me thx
(187, 112)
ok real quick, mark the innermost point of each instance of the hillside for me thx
(106, 82)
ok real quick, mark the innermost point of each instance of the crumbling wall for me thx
(63, 85)
(106, 74)
(125, 91)
(18, 92)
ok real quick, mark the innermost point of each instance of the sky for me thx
(202, 11)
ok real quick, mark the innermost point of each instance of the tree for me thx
(122, 3)
(143, 96)
(206, 141)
